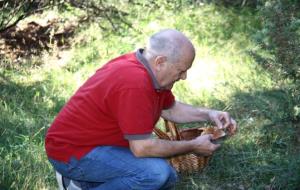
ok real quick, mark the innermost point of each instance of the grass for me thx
(263, 155)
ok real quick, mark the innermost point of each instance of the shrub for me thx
(280, 37)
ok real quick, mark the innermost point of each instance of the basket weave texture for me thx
(190, 162)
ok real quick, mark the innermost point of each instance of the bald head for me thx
(170, 43)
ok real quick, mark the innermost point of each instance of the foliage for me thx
(102, 12)
(13, 11)
(235, 3)
(280, 37)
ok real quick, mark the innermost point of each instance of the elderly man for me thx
(102, 136)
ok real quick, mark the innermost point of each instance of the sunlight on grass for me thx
(203, 74)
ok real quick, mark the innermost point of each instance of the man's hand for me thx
(223, 120)
(164, 148)
(204, 146)
(184, 113)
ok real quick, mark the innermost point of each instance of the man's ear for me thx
(160, 62)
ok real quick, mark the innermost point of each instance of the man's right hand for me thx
(204, 146)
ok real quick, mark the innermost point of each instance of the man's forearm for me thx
(184, 113)
(160, 148)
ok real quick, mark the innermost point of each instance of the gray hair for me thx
(164, 43)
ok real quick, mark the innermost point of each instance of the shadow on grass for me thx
(26, 113)
(264, 154)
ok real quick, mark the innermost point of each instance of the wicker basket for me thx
(187, 163)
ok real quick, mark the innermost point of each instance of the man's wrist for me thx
(204, 114)
(192, 145)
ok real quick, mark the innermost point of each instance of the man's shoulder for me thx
(125, 69)
(128, 57)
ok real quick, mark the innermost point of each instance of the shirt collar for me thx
(142, 60)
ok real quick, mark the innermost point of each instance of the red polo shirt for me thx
(120, 102)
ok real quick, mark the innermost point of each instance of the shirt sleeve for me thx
(169, 99)
(134, 111)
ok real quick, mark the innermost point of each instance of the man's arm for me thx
(184, 113)
(165, 148)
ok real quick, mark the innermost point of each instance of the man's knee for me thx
(160, 174)
(169, 176)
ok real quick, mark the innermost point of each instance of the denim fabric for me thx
(114, 168)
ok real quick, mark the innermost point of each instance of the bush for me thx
(280, 37)
(13, 11)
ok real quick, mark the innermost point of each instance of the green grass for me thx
(263, 155)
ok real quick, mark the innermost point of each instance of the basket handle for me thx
(171, 133)
(161, 134)
(174, 133)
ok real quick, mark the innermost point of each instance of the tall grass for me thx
(263, 155)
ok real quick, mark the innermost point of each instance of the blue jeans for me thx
(113, 168)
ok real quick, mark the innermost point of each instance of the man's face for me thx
(173, 72)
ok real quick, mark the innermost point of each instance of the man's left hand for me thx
(223, 120)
